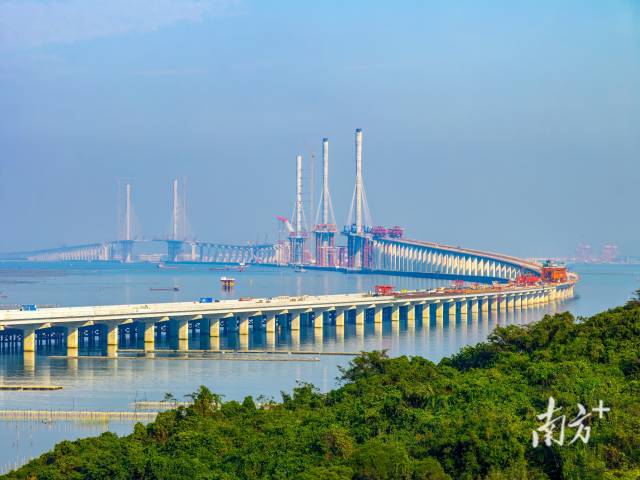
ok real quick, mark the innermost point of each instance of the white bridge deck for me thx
(158, 312)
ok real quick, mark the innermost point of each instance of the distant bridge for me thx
(399, 255)
(369, 248)
(381, 254)
(176, 250)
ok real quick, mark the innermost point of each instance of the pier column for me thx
(340, 317)
(485, 304)
(395, 313)
(525, 300)
(112, 334)
(318, 319)
(183, 329)
(451, 311)
(150, 335)
(214, 327)
(112, 339)
(411, 313)
(243, 324)
(295, 320)
(503, 304)
(377, 314)
(270, 324)
(72, 341)
(511, 304)
(360, 315)
(463, 307)
(29, 339)
(474, 306)
(517, 301)
(426, 312)
(439, 311)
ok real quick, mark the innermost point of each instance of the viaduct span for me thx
(240, 316)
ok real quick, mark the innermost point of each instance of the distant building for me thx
(609, 253)
(583, 254)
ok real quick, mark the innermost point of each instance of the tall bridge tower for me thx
(122, 249)
(325, 228)
(298, 237)
(176, 238)
(358, 231)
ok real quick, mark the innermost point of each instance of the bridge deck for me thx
(253, 307)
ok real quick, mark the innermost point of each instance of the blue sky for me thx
(511, 126)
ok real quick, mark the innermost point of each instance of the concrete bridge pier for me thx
(340, 313)
(270, 340)
(451, 310)
(503, 304)
(295, 320)
(395, 313)
(150, 335)
(485, 304)
(72, 340)
(214, 327)
(439, 310)
(377, 315)
(359, 315)
(29, 339)
(517, 302)
(318, 319)
(270, 322)
(411, 313)
(112, 338)
(463, 308)
(243, 324)
(474, 307)
(509, 303)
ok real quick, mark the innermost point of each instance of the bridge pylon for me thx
(325, 229)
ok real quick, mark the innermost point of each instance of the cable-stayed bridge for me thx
(368, 248)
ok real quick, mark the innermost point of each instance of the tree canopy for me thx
(469, 417)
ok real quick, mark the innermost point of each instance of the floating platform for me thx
(31, 387)
(50, 415)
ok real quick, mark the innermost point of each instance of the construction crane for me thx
(285, 221)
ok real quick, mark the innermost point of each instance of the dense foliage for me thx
(469, 417)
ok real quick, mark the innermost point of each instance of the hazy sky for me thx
(510, 126)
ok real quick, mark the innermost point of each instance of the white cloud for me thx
(32, 23)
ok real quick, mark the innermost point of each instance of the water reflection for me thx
(103, 379)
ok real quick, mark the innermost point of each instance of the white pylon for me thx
(325, 213)
(359, 199)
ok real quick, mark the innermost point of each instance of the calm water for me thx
(92, 383)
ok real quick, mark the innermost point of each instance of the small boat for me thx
(169, 289)
(227, 282)
(299, 269)
(170, 267)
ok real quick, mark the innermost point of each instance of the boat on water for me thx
(168, 289)
(169, 267)
(299, 269)
(227, 282)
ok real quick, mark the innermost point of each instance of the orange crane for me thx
(285, 221)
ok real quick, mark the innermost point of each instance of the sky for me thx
(499, 125)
